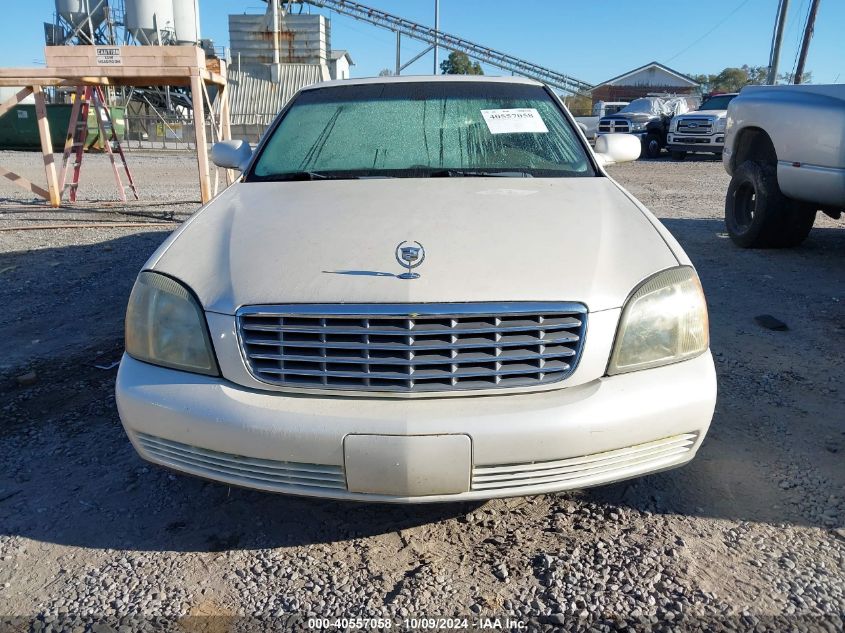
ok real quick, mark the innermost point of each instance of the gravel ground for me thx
(749, 536)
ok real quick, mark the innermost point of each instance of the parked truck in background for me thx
(648, 118)
(590, 124)
(785, 152)
(702, 130)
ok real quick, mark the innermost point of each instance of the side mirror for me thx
(617, 148)
(231, 154)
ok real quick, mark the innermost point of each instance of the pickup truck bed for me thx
(785, 151)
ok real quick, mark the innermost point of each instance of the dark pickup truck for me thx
(648, 118)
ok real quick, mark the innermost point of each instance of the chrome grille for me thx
(412, 347)
(614, 126)
(695, 126)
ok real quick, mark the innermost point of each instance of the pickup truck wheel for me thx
(758, 215)
(678, 155)
(652, 145)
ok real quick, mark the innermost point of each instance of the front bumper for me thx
(640, 133)
(419, 450)
(688, 143)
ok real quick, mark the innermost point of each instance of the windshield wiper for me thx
(467, 173)
(305, 175)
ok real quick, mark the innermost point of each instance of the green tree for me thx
(734, 79)
(386, 72)
(788, 78)
(579, 105)
(459, 64)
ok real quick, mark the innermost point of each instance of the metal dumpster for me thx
(19, 128)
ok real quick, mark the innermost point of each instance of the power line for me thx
(720, 23)
(794, 22)
(433, 36)
(805, 44)
(801, 37)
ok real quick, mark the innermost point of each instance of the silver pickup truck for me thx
(785, 151)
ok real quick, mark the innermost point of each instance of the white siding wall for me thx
(651, 77)
(340, 68)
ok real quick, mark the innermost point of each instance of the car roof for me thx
(423, 79)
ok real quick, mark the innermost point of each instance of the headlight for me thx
(637, 126)
(166, 326)
(673, 126)
(664, 321)
(721, 124)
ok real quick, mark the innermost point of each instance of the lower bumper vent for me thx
(587, 470)
(267, 474)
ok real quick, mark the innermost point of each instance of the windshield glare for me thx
(717, 103)
(420, 129)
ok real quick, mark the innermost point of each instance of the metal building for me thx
(303, 39)
(273, 55)
(642, 81)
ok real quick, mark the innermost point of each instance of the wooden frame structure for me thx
(120, 66)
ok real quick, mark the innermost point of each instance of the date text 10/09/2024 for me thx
(419, 624)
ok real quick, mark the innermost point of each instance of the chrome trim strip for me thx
(833, 171)
(410, 309)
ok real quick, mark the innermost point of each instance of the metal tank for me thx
(186, 21)
(75, 12)
(150, 21)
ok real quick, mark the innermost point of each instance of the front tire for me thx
(652, 145)
(758, 215)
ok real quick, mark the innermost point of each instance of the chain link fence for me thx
(153, 132)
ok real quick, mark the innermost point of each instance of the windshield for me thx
(717, 103)
(422, 129)
(657, 106)
(639, 105)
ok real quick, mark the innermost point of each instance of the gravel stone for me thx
(748, 536)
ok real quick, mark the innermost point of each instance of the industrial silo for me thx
(75, 13)
(186, 21)
(150, 21)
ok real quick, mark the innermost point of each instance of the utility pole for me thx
(436, 28)
(805, 45)
(276, 68)
(774, 57)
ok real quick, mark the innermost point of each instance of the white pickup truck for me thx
(702, 130)
(785, 151)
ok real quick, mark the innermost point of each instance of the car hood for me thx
(485, 239)
(632, 116)
(718, 114)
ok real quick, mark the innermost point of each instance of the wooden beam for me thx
(61, 56)
(16, 80)
(226, 124)
(85, 75)
(225, 117)
(215, 134)
(137, 66)
(23, 182)
(10, 175)
(46, 147)
(199, 132)
(10, 103)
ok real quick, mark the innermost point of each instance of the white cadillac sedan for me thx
(420, 289)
